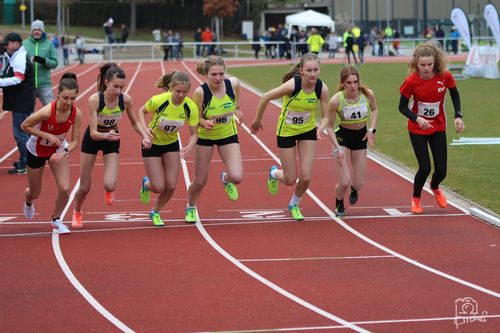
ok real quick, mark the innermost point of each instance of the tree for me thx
(219, 8)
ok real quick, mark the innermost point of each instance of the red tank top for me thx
(39, 146)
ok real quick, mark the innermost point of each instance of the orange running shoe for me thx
(440, 198)
(416, 206)
(109, 197)
(77, 220)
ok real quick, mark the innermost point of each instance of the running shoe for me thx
(17, 171)
(29, 211)
(61, 228)
(144, 194)
(353, 197)
(416, 206)
(109, 197)
(295, 211)
(157, 221)
(77, 220)
(340, 210)
(440, 198)
(272, 183)
(191, 215)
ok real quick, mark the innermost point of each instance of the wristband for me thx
(66, 152)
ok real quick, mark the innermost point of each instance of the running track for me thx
(247, 266)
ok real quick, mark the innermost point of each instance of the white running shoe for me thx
(29, 211)
(61, 228)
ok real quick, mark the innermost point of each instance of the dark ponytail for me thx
(68, 82)
(108, 72)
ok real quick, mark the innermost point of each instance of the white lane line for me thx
(369, 240)
(250, 272)
(371, 322)
(314, 258)
(7, 155)
(62, 262)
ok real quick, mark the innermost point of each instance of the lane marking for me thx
(314, 258)
(362, 236)
(247, 270)
(62, 262)
(369, 322)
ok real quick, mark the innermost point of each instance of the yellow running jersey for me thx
(168, 118)
(354, 113)
(298, 111)
(221, 112)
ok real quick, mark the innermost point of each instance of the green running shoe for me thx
(191, 215)
(295, 211)
(231, 191)
(144, 194)
(157, 221)
(272, 183)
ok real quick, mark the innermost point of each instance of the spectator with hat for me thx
(43, 55)
(17, 82)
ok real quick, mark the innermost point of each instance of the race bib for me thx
(223, 118)
(170, 126)
(297, 118)
(108, 120)
(428, 110)
(45, 142)
(355, 112)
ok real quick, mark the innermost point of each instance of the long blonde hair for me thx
(428, 49)
(204, 66)
(295, 71)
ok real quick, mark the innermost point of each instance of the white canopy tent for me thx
(309, 18)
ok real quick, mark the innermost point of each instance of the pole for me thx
(23, 15)
(32, 11)
(59, 30)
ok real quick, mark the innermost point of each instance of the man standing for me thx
(43, 55)
(18, 93)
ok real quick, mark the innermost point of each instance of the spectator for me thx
(80, 47)
(374, 37)
(206, 37)
(439, 34)
(396, 42)
(55, 41)
(124, 33)
(315, 41)
(64, 45)
(256, 44)
(361, 43)
(197, 39)
(108, 29)
(167, 47)
(43, 55)
(454, 35)
(349, 47)
(18, 93)
(332, 44)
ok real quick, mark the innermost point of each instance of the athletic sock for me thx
(273, 173)
(295, 200)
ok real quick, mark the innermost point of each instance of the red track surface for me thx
(316, 275)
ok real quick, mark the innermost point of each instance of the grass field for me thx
(473, 171)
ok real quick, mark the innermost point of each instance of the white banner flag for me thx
(460, 21)
(491, 17)
(482, 61)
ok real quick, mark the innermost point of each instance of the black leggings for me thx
(437, 142)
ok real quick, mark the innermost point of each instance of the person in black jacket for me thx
(18, 93)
